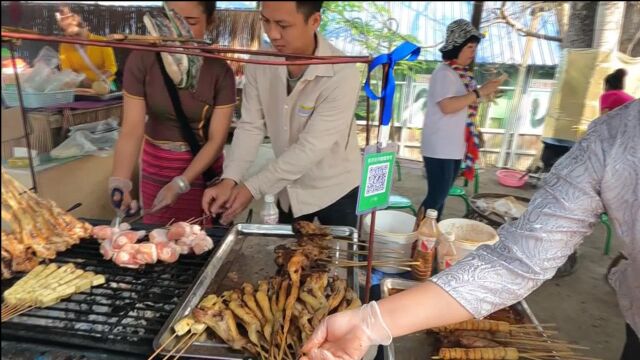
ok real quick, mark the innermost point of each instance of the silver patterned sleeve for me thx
(530, 249)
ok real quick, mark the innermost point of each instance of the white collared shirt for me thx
(312, 130)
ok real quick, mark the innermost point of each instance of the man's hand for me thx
(215, 197)
(240, 198)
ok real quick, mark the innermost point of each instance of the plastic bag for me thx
(103, 126)
(46, 78)
(64, 80)
(48, 57)
(38, 79)
(509, 207)
(88, 140)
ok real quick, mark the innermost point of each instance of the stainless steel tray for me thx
(244, 255)
(421, 344)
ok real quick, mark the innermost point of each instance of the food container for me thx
(469, 234)
(421, 345)
(37, 99)
(393, 236)
(245, 255)
(512, 178)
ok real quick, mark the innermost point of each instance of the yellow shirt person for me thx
(103, 59)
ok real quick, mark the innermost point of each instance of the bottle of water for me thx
(270, 210)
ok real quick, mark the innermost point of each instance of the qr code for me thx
(377, 179)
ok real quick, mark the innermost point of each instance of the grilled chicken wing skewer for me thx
(221, 320)
(295, 269)
(246, 316)
(262, 296)
(249, 298)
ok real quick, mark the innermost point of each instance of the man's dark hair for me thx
(453, 53)
(308, 8)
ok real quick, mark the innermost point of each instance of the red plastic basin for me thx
(511, 178)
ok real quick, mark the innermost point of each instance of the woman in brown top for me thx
(171, 178)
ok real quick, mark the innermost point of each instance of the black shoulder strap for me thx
(187, 132)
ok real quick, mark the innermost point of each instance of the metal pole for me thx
(370, 258)
(24, 116)
(368, 128)
(516, 116)
(385, 71)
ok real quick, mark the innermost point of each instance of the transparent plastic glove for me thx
(348, 335)
(169, 193)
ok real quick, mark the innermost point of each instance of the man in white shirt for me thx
(307, 112)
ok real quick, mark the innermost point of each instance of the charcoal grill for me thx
(122, 316)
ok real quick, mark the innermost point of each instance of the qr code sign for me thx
(377, 179)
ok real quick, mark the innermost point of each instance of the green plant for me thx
(371, 27)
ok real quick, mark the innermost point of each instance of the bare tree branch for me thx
(432, 46)
(502, 15)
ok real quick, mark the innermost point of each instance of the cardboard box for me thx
(12, 127)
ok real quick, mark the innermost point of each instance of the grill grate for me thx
(124, 314)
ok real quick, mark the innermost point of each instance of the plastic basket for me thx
(37, 99)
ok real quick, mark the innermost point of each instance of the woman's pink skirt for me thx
(159, 167)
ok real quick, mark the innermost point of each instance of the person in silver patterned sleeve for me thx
(600, 173)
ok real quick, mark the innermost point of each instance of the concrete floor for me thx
(582, 304)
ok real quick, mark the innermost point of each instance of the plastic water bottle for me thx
(269, 212)
(425, 250)
(446, 252)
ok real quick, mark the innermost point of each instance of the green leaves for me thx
(371, 27)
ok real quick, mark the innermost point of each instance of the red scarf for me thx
(471, 135)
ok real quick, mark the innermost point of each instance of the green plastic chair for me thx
(458, 191)
(397, 202)
(604, 219)
(398, 170)
(476, 179)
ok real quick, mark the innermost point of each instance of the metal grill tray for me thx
(246, 251)
(421, 344)
(120, 317)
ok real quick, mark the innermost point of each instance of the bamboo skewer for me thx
(533, 325)
(177, 346)
(18, 313)
(543, 343)
(162, 346)
(545, 332)
(193, 336)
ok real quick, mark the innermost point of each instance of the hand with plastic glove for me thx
(348, 335)
(120, 194)
(169, 193)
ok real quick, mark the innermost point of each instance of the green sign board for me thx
(375, 186)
